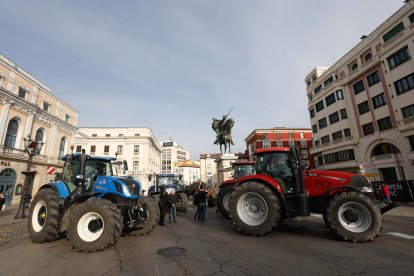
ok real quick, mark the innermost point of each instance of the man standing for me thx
(163, 205)
(201, 199)
(2, 201)
(172, 206)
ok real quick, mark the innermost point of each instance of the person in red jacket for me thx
(386, 193)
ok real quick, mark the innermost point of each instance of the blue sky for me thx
(174, 65)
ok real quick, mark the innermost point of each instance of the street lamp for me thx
(32, 148)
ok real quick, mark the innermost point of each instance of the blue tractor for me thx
(90, 206)
(166, 183)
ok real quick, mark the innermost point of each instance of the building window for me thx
(315, 128)
(373, 78)
(347, 132)
(136, 149)
(266, 144)
(368, 57)
(107, 135)
(106, 150)
(359, 87)
(93, 150)
(411, 17)
(337, 135)
(319, 106)
(354, 67)
(340, 156)
(368, 129)
(317, 143)
(78, 148)
(94, 135)
(317, 89)
(363, 107)
(135, 166)
(303, 145)
(291, 143)
(393, 32)
(408, 111)
(339, 95)
(325, 139)
(62, 145)
(379, 101)
(279, 143)
(322, 123)
(330, 99)
(304, 154)
(399, 57)
(46, 106)
(312, 113)
(120, 135)
(137, 134)
(302, 135)
(405, 84)
(334, 117)
(411, 141)
(11, 133)
(22, 92)
(344, 115)
(384, 123)
(120, 149)
(290, 135)
(67, 118)
(328, 81)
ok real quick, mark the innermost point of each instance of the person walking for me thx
(201, 199)
(386, 193)
(163, 205)
(172, 206)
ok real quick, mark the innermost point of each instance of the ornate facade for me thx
(28, 109)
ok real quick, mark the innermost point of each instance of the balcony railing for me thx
(22, 155)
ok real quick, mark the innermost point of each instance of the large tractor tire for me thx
(94, 225)
(254, 209)
(182, 204)
(151, 214)
(353, 217)
(223, 198)
(43, 216)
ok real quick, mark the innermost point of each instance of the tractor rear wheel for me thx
(94, 225)
(151, 215)
(182, 204)
(254, 209)
(353, 216)
(43, 216)
(223, 198)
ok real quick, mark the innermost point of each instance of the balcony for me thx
(22, 155)
(406, 124)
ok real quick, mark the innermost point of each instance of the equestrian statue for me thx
(223, 131)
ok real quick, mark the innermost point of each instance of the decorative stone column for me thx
(3, 118)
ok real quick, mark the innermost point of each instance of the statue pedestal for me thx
(224, 168)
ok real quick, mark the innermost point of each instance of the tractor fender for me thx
(324, 198)
(60, 188)
(228, 182)
(69, 209)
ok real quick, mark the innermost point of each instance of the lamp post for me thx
(32, 148)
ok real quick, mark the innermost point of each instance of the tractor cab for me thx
(283, 165)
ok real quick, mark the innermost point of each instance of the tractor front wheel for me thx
(254, 209)
(353, 216)
(43, 216)
(223, 198)
(94, 225)
(150, 215)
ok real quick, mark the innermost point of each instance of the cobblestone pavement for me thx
(11, 228)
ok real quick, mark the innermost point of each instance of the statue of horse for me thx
(223, 130)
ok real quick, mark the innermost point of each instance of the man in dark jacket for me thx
(172, 206)
(201, 200)
(163, 205)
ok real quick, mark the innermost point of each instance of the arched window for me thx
(354, 66)
(368, 56)
(62, 147)
(39, 138)
(384, 148)
(11, 133)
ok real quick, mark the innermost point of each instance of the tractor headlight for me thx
(125, 190)
(367, 190)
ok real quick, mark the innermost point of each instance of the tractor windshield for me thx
(243, 170)
(278, 165)
(165, 180)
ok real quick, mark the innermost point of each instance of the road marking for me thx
(408, 237)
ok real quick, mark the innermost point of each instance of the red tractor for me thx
(280, 190)
(240, 169)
